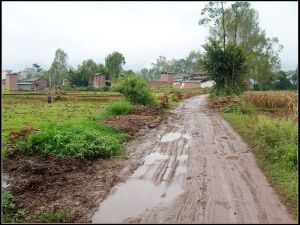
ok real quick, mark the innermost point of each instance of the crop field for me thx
(273, 99)
(19, 111)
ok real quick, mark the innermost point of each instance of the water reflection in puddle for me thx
(133, 198)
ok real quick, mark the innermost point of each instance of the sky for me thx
(141, 31)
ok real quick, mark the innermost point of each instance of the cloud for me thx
(142, 31)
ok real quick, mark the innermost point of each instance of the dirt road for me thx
(195, 169)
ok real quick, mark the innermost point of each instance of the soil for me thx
(194, 168)
(138, 119)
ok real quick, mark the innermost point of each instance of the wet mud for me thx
(193, 168)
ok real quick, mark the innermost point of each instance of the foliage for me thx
(43, 216)
(272, 99)
(136, 90)
(242, 28)
(11, 214)
(118, 108)
(58, 70)
(226, 68)
(189, 64)
(240, 107)
(73, 140)
(113, 65)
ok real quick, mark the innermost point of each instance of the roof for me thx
(98, 74)
(33, 79)
(25, 83)
(12, 74)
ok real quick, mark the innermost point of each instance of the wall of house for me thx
(157, 83)
(190, 84)
(99, 81)
(209, 83)
(27, 87)
(42, 84)
(167, 78)
(11, 82)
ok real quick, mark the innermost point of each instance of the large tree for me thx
(113, 65)
(59, 69)
(242, 28)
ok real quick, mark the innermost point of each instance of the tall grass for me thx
(118, 108)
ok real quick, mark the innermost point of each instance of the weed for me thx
(118, 108)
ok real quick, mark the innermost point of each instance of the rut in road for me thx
(195, 169)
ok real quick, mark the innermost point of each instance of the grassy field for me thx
(273, 137)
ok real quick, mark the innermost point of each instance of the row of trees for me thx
(238, 50)
(83, 74)
(189, 64)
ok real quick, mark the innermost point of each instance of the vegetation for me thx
(274, 139)
(136, 90)
(275, 145)
(226, 66)
(58, 70)
(119, 108)
(113, 65)
(13, 214)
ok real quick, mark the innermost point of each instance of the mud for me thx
(193, 168)
(77, 186)
(132, 123)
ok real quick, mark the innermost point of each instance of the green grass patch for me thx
(275, 145)
(118, 108)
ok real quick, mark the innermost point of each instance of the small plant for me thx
(164, 102)
(136, 90)
(44, 216)
(119, 108)
(9, 209)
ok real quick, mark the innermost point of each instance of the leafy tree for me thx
(242, 28)
(219, 65)
(59, 68)
(282, 82)
(113, 65)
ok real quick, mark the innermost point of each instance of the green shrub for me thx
(71, 140)
(44, 216)
(240, 108)
(277, 139)
(9, 209)
(119, 108)
(136, 90)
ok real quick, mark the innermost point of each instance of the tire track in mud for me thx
(193, 168)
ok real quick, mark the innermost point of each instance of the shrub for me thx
(136, 90)
(119, 108)
(240, 107)
(69, 140)
(277, 139)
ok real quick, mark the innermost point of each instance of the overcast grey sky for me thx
(142, 31)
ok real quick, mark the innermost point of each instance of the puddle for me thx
(133, 198)
(182, 157)
(170, 137)
(180, 170)
(173, 136)
(154, 156)
(232, 157)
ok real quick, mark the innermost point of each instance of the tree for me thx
(282, 82)
(242, 28)
(219, 63)
(59, 69)
(113, 65)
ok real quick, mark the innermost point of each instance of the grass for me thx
(118, 108)
(13, 214)
(275, 145)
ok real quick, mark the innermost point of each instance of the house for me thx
(191, 80)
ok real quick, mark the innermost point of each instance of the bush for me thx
(69, 140)
(119, 108)
(240, 108)
(277, 138)
(136, 90)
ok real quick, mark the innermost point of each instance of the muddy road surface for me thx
(194, 169)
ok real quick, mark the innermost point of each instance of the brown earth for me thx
(194, 168)
(139, 118)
